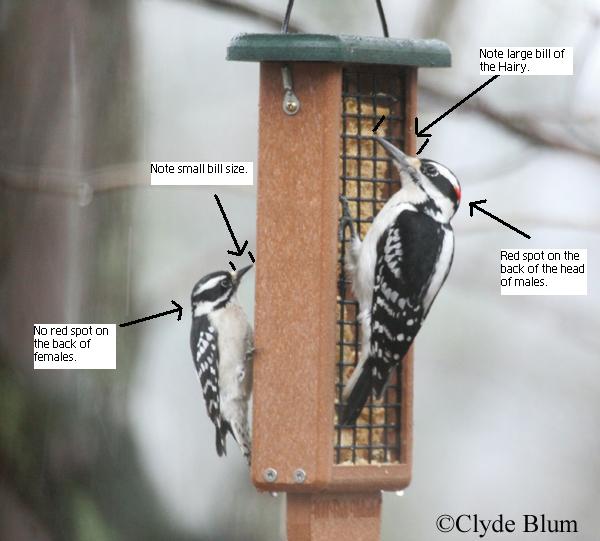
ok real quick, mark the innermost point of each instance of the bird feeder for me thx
(321, 97)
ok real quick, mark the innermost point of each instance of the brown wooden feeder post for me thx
(306, 334)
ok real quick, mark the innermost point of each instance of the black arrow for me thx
(475, 205)
(423, 146)
(378, 123)
(421, 132)
(179, 309)
(239, 251)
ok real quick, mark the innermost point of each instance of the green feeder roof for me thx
(345, 49)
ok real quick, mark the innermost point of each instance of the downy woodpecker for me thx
(397, 270)
(222, 348)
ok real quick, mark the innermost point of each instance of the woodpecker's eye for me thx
(225, 283)
(429, 170)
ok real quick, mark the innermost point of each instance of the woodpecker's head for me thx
(441, 185)
(435, 179)
(216, 290)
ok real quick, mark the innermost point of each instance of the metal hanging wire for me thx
(384, 25)
(286, 18)
(288, 13)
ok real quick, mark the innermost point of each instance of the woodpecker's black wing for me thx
(408, 252)
(205, 350)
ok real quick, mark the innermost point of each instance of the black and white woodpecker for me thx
(222, 347)
(398, 269)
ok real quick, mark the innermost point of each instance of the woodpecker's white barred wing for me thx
(403, 292)
(204, 344)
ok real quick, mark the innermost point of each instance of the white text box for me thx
(526, 60)
(543, 272)
(67, 346)
(201, 173)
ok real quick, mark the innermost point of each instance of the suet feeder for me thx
(320, 99)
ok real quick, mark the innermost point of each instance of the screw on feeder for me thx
(299, 475)
(270, 475)
(291, 103)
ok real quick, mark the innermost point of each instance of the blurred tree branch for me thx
(83, 184)
(585, 47)
(524, 126)
(253, 12)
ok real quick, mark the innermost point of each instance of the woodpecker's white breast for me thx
(233, 328)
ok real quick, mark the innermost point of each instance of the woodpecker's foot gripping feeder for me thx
(346, 219)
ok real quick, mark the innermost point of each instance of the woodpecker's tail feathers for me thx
(378, 384)
(221, 435)
(240, 432)
(356, 396)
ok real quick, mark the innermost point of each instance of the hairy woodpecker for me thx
(397, 270)
(222, 347)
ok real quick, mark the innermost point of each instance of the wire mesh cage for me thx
(367, 181)
(320, 98)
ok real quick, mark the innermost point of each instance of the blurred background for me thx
(507, 396)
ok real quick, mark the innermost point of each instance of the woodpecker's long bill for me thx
(397, 271)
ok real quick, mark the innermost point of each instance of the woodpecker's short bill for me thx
(397, 270)
(222, 348)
